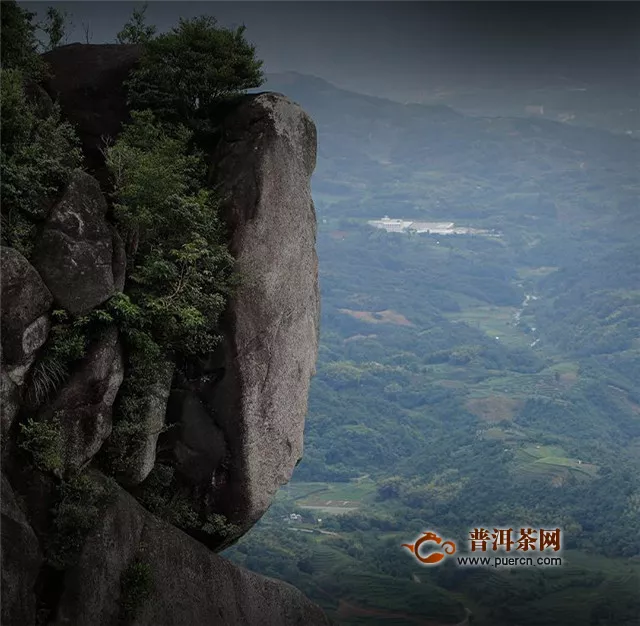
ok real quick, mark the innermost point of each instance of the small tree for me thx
(135, 30)
(37, 153)
(87, 31)
(19, 44)
(183, 74)
(55, 27)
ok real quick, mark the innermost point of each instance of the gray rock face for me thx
(119, 262)
(84, 404)
(25, 301)
(9, 402)
(191, 585)
(264, 164)
(21, 560)
(75, 252)
(200, 447)
(154, 419)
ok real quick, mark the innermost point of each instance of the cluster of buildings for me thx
(393, 225)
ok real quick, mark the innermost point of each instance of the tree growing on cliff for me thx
(136, 30)
(185, 73)
(38, 149)
(19, 49)
(179, 265)
(180, 272)
(55, 27)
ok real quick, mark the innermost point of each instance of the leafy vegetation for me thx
(136, 30)
(43, 440)
(180, 272)
(185, 73)
(219, 526)
(82, 501)
(66, 345)
(38, 152)
(55, 27)
(160, 495)
(19, 49)
(179, 265)
(136, 585)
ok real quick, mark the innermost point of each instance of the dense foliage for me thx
(179, 267)
(136, 30)
(19, 50)
(38, 149)
(186, 72)
(179, 270)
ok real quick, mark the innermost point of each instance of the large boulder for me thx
(198, 443)
(143, 456)
(186, 583)
(25, 302)
(21, 561)
(240, 422)
(75, 253)
(263, 164)
(85, 403)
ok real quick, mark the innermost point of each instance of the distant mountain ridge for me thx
(296, 84)
(553, 99)
(378, 157)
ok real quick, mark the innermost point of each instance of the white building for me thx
(391, 225)
(396, 225)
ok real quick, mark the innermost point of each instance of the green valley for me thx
(467, 380)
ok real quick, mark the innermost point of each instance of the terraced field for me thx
(497, 322)
(496, 408)
(334, 498)
(380, 317)
(551, 460)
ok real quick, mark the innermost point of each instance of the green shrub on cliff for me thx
(180, 272)
(19, 49)
(219, 526)
(136, 30)
(179, 266)
(185, 73)
(43, 441)
(136, 586)
(82, 501)
(38, 153)
(161, 495)
(38, 149)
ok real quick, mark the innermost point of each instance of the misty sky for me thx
(400, 49)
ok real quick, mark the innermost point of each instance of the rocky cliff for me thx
(231, 431)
